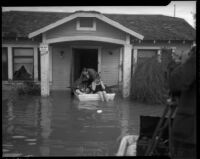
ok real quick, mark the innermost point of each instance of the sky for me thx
(184, 9)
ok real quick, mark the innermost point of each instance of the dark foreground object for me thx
(147, 127)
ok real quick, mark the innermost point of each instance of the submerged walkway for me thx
(60, 125)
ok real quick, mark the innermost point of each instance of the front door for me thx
(84, 58)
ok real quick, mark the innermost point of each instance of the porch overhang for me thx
(85, 38)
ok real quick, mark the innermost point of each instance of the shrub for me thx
(30, 88)
(148, 82)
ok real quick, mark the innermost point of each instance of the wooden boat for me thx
(93, 97)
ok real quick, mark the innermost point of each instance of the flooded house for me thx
(51, 48)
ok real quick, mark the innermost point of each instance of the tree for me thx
(194, 17)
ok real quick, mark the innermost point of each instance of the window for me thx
(23, 64)
(4, 63)
(86, 24)
(145, 54)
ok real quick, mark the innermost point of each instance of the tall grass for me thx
(148, 82)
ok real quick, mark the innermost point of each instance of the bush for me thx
(30, 88)
(148, 82)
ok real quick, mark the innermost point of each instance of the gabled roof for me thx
(86, 14)
(152, 27)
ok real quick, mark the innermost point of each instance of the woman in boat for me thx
(99, 87)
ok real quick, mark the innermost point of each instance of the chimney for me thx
(174, 10)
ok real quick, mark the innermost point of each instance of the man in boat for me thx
(90, 74)
(83, 83)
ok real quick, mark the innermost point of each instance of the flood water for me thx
(60, 125)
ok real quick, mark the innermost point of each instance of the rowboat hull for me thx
(93, 97)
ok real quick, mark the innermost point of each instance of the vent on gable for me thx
(86, 23)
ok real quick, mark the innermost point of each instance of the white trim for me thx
(93, 28)
(86, 46)
(121, 27)
(126, 70)
(147, 47)
(168, 47)
(10, 63)
(120, 64)
(99, 60)
(44, 38)
(45, 87)
(82, 38)
(99, 16)
(50, 64)
(128, 41)
(135, 54)
(35, 54)
(20, 45)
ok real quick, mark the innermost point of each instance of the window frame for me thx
(156, 48)
(156, 52)
(13, 56)
(93, 28)
(7, 62)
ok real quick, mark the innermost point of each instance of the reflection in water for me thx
(10, 117)
(60, 125)
(46, 112)
(124, 120)
(89, 105)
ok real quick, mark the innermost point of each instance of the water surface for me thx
(60, 125)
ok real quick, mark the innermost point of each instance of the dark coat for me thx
(92, 75)
(171, 66)
(183, 79)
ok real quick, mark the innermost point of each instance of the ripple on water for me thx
(12, 154)
(18, 137)
(32, 143)
(30, 140)
(7, 145)
(5, 150)
(28, 156)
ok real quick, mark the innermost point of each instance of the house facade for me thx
(52, 48)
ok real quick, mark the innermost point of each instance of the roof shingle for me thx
(152, 27)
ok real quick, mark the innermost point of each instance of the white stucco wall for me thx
(110, 65)
(61, 67)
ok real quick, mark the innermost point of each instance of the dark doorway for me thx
(84, 58)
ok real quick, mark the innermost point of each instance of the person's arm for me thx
(93, 86)
(184, 75)
(102, 85)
